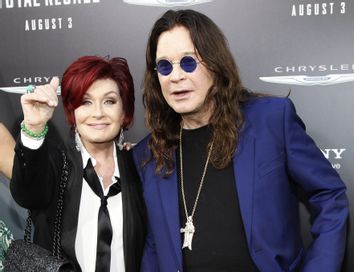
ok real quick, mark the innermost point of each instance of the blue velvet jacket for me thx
(274, 156)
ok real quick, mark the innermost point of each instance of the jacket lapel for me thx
(168, 191)
(72, 198)
(244, 169)
(134, 228)
(126, 223)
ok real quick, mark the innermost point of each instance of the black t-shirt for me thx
(219, 242)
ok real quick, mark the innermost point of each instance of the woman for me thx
(7, 153)
(101, 230)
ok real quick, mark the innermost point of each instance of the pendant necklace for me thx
(189, 228)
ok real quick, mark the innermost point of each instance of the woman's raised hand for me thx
(38, 106)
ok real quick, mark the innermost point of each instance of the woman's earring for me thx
(121, 140)
(77, 141)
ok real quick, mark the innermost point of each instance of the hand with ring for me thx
(38, 104)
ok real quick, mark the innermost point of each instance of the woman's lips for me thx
(98, 126)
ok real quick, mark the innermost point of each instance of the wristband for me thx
(31, 134)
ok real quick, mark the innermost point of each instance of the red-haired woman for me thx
(103, 225)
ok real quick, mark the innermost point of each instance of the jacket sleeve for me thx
(325, 192)
(35, 175)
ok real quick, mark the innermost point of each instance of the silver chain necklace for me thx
(189, 228)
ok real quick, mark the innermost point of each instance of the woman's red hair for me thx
(81, 74)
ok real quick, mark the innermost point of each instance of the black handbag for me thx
(24, 255)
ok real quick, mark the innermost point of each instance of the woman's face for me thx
(185, 92)
(99, 118)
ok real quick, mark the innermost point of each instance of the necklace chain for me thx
(182, 181)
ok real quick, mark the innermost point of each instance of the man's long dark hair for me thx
(227, 92)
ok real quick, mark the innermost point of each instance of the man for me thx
(222, 167)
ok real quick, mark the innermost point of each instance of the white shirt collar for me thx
(86, 156)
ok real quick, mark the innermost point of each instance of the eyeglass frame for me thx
(195, 59)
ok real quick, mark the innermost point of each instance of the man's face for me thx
(185, 92)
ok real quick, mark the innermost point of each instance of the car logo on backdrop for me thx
(304, 80)
(166, 3)
(20, 90)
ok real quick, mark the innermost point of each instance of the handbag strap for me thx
(56, 248)
(28, 228)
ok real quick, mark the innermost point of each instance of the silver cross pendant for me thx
(188, 230)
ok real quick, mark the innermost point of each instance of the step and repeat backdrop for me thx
(299, 46)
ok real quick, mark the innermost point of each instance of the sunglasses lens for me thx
(164, 67)
(188, 64)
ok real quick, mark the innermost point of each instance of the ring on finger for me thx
(30, 88)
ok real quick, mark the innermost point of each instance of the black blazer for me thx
(35, 186)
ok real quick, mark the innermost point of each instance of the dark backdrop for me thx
(278, 44)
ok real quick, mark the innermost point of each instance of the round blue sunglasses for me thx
(187, 63)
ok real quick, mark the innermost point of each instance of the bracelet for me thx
(31, 134)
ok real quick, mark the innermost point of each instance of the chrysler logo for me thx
(304, 80)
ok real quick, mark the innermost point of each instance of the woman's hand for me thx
(127, 145)
(38, 106)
